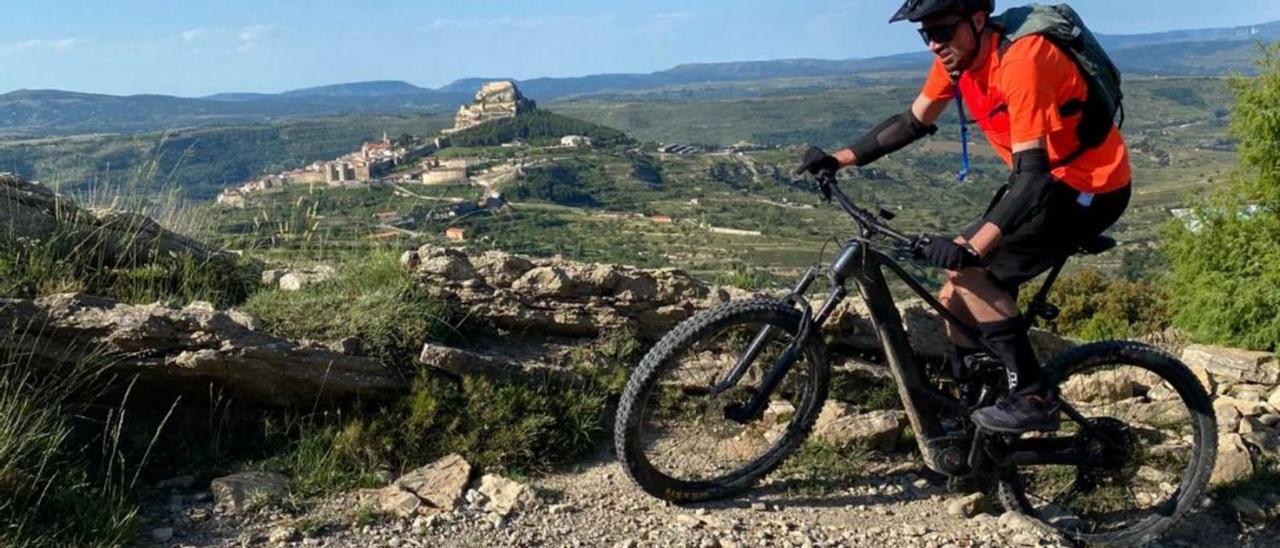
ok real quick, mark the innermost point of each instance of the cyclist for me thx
(1027, 97)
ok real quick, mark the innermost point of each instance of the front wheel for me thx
(677, 435)
(1162, 440)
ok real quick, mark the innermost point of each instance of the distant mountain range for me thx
(1200, 52)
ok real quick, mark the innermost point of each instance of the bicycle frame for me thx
(866, 266)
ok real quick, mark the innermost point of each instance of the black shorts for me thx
(1052, 235)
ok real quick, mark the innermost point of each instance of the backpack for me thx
(1064, 28)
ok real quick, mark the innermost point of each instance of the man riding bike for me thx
(1027, 96)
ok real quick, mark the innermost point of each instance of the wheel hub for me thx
(1114, 463)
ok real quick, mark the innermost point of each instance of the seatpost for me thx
(1040, 303)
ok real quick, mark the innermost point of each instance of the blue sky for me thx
(189, 48)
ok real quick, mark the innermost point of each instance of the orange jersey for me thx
(1018, 97)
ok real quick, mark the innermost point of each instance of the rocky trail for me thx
(894, 503)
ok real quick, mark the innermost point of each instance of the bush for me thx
(78, 259)
(1225, 258)
(496, 425)
(372, 299)
(50, 494)
(557, 184)
(1094, 306)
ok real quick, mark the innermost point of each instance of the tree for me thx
(1225, 260)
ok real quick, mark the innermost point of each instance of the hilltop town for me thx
(409, 160)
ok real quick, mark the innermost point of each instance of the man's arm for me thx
(987, 238)
(894, 133)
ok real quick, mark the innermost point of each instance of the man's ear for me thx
(980, 20)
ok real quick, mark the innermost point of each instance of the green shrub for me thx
(497, 425)
(77, 258)
(50, 494)
(1225, 258)
(1094, 306)
(555, 183)
(820, 468)
(372, 299)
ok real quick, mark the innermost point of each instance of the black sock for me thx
(1010, 342)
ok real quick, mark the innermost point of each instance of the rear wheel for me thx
(1159, 420)
(673, 434)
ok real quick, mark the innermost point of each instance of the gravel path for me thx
(895, 503)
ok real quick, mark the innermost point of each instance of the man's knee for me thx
(947, 296)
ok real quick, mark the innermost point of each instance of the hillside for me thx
(197, 163)
(538, 127)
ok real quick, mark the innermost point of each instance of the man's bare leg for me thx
(975, 299)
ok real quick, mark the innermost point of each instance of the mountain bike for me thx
(724, 397)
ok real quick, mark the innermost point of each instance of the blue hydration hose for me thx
(964, 133)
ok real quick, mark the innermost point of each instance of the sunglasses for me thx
(940, 34)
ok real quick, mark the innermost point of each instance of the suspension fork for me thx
(763, 336)
(754, 408)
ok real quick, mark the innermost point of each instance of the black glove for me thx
(819, 163)
(944, 253)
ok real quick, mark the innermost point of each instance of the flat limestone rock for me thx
(1234, 461)
(440, 484)
(504, 496)
(238, 492)
(187, 349)
(839, 425)
(1233, 365)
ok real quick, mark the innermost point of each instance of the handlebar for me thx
(871, 225)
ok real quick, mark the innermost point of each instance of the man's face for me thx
(950, 36)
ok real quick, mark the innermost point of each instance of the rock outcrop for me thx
(33, 212)
(565, 298)
(556, 297)
(1244, 385)
(494, 101)
(186, 349)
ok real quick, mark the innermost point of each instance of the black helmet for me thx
(915, 10)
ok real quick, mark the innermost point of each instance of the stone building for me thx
(494, 101)
(446, 172)
(575, 141)
(337, 173)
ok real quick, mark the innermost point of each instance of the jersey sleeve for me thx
(1033, 73)
(937, 86)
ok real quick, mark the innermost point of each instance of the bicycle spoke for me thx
(1139, 437)
(687, 434)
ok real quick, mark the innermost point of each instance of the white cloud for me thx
(58, 44)
(508, 22)
(242, 39)
(191, 35)
(252, 33)
(675, 15)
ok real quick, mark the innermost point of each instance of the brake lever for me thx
(824, 181)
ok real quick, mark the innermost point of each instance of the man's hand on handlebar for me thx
(943, 252)
(817, 162)
(823, 167)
